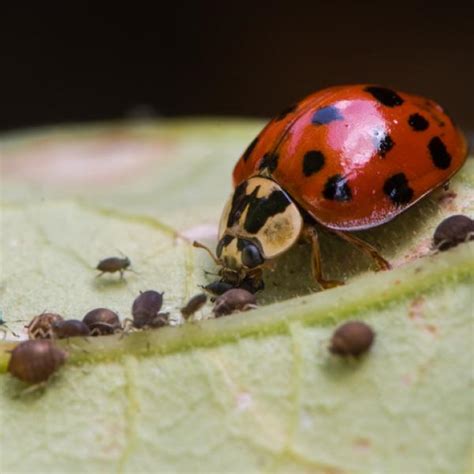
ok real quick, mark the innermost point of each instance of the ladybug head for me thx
(238, 257)
(259, 222)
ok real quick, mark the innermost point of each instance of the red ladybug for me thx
(348, 158)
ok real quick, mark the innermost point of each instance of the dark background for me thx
(88, 62)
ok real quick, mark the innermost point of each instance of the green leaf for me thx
(254, 392)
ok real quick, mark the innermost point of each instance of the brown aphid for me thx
(112, 265)
(70, 328)
(146, 310)
(101, 322)
(453, 231)
(41, 326)
(35, 361)
(233, 300)
(352, 339)
(193, 305)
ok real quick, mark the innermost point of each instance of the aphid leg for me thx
(75, 347)
(208, 250)
(121, 273)
(161, 319)
(208, 273)
(127, 326)
(96, 331)
(4, 329)
(99, 275)
(436, 247)
(364, 247)
(33, 388)
(311, 234)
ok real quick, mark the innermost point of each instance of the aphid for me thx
(346, 158)
(146, 310)
(35, 361)
(233, 300)
(193, 305)
(352, 339)
(41, 326)
(452, 231)
(112, 265)
(101, 322)
(70, 328)
(218, 287)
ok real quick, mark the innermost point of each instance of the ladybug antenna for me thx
(208, 250)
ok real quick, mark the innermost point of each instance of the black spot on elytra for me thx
(433, 111)
(385, 96)
(397, 189)
(313, 161)
(417, 122)
(439, 154)
(250, 149)
(262, 209)
(385, 145)
(326, 115)
(269, 161)
(224, 242)
(286, 112)
(337, 189)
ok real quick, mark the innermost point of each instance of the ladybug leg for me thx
(310, 234)
(364, 247)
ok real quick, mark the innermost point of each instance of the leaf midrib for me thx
(364, 293)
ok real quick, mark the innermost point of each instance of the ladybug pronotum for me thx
(347, 158)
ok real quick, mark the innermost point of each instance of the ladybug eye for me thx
(251, 256)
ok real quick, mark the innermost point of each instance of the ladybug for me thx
(347, 158)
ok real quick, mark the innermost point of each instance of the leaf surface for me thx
(255, 392)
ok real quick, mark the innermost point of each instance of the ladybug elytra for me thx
(347, 158)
